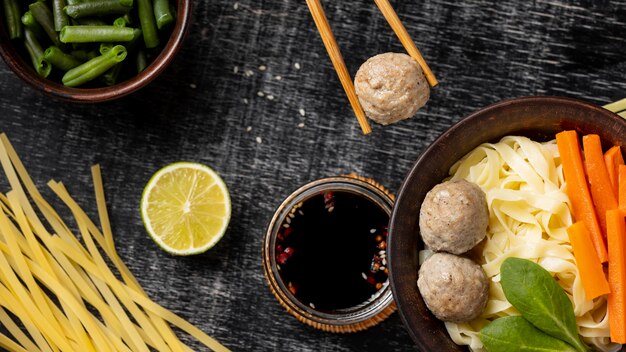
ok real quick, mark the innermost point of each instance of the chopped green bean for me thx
(90, 21)
(59, 16)
(162, 13)
(140, 61)
(110, 77)
(42, 67)
(12, 17)
(148, 25)
(104, 47)
(94, 67)
(29, 22)
(91, 34)
(59, 59)
(120, 22)
(97, 8)
(43, 15)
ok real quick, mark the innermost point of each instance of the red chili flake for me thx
(288, 251)
(328, 197)
(382, 245)
(282, 258)
(379, 238)
(292, 288)
(379, 286)
(377, 259)
(374, 267)
(287, 232)
(279, 248)
(385, 233)
(371, 280)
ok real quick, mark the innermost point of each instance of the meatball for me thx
(454, 288)
(391, 87)
(454, 217)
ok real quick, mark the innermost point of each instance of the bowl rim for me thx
(421, 340)
(18, 65)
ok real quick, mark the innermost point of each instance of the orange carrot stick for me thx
(616, 238)
(613, 159)
(622, 188)
(577, 189)
(589, 266)
(599, 182)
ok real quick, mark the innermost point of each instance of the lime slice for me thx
(185, 208)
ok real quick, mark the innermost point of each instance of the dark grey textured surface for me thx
(207, 108)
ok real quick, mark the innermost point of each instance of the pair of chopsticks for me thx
(319, 17)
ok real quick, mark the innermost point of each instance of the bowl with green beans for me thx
(91, 50)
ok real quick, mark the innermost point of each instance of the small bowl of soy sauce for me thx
(325, 254)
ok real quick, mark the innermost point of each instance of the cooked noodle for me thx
(528, 217)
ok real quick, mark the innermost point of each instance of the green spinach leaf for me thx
(539, 298)
(517, 334)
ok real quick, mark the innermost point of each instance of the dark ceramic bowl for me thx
(12, 53)
(539, 118)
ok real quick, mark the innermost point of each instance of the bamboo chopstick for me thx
(405, 39)
(317, 11)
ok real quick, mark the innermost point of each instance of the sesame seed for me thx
(236, 6)
(364, 276)
(270, 97)
(278, 78)
(301, 212)
(262, 68)
(382, 268)
(286, 226)
(235, 69)
(312, 305)
(296, 65)
(249, 128)
(302, 112)
(193, 86)
(330, 210)
(301, 124)
(259, 140)
(288, 219)
(261, 94)
(245, 101)
(384, 262)
(381, 252)
(373, 231)
(248, 73)
(292, 215)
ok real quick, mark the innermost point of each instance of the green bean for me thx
(120, 22)
(94, 67)
(42, 67)
(59, 16)
(90, 21)
(110, 77)
(43, 15)
(97, 8)
(29, 22)
(162, 13)
(12, 17)
(105, 47)
(90, 34)
(140, 61)
(59, 59)
(148, 25)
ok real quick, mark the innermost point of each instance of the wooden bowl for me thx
(21, 65)
(539, 118)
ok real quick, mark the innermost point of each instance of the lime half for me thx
(185, 208)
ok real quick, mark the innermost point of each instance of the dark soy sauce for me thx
(331, 250)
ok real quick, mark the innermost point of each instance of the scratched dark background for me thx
(253, 95)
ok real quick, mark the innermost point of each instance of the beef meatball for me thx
(391, 87)
(454, 288)
(454, 217)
